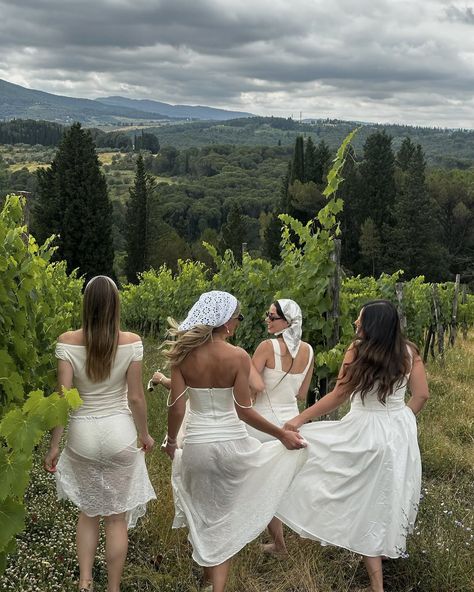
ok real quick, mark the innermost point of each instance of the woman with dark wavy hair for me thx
(360, 486)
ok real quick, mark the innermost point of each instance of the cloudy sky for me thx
(369, 60)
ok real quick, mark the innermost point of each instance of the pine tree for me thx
(370, 245)
(137, 223)
(378, 176)
(405, 154)
(413, 240)
(73, 202)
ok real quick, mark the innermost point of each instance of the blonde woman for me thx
(284, 367)
(101, 469)
(226, 485)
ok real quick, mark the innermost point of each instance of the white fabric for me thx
(226, 488)
(292, 334)
(278, 402)
(212, 309)
(101, 470)
(360, 487)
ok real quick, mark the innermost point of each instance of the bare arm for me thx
(176, 410)
(328, 403)
(418, 385)
(259, 361)
(137, 403)
(65, 377)
(290, 440)
(303, 392)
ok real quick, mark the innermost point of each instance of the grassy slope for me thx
(439, 551)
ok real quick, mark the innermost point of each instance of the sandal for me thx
(89, 587)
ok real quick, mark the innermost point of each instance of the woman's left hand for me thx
(169, 449)
(293, 425)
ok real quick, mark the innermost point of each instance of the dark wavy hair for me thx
(382, 357)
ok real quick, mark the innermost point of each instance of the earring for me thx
(227, 329)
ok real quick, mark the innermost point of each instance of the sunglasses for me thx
(240, 317)
(271, 317)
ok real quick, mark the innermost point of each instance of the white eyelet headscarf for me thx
(292, 334)
(212, 309)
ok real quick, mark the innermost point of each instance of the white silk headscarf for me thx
(212, 309)
(292, 334)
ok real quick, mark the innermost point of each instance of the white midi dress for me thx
(360, 487)
(278, 403)
(226, 485)
(101, 469)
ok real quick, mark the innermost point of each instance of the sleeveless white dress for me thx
(360, 487)
(101, 470)
(226, 485)
(278, 402)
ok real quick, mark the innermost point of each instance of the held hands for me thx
(292, 440)
(146, 442)
(51, 459)
(169, 446)
(157, 377)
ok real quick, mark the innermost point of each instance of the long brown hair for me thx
(382, 358)
(101, 326)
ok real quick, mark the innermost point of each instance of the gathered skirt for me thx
(227, 492)
(102, 471)
(360, 487)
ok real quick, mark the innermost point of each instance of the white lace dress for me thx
(101, 469)
(278, 402)
(226, 485)
(360, 487)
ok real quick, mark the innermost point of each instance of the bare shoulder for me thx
(264, 347)
(72, 337)
(126, 337)
(242, 355)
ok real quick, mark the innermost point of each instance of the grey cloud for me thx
(463, 15)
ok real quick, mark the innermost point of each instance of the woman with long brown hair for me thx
(226, 485)
(360, 486)
(101, 469)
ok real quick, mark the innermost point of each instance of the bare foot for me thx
(272, 549)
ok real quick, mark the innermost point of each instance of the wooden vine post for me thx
(464, 321)
(439, 324)
(401, 313)
(334, 315)
(454, 314)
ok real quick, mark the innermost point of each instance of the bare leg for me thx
(278, 547)
(116, 546)
(87, 537)
(218, 576)
(373, 566)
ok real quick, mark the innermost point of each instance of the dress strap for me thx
(238, 404)
(168, 404)
(276, 353)
(310, 359)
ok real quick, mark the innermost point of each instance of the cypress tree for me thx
(234, 232)
(297, 164)
(309, 160)
(405, 154)
(137, 223)
(73, 202)
(322, 160)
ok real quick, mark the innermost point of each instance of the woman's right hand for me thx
(146, 442)
(51, 459)
(292, 440)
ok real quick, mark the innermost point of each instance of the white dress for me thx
(226, 485)
(101, 469)
(278, 402)
(360, 487)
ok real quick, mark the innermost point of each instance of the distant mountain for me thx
(19, 102)
(177, 111)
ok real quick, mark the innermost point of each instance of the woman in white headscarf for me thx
(284, 369)
(226, 485)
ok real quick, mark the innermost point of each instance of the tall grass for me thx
(439, 553)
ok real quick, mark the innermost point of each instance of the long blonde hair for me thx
(183, 342)
(101, 326)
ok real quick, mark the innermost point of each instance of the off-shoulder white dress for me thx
(101, 469)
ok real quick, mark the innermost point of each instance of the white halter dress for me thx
(226, 485)
(278, 402)
(360, 487)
